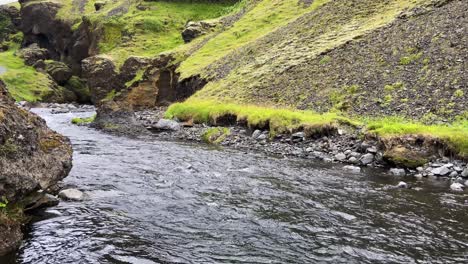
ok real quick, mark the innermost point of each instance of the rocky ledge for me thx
(33, 159)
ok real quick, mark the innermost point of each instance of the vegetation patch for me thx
(216, 135)
(277, 120)
(23, 82)
(83, 120)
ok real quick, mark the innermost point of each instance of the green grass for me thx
(266, 16)
(278, 120)
(216, 135)
(455, 135)
(23, 82)
(287, 121)
(150, 32)
(83, 120)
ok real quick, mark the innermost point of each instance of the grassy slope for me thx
(129, 31)
(23, 82)
(244, 62)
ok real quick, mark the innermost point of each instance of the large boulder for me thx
(101, 76)
(32, 157)
(9, 20)
(59, 71)
(33, 53)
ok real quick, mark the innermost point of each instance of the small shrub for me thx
(458, 93)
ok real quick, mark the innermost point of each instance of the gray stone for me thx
(372, 150)
(166, 124)
(453, 174)
(402, 185)
(464, 174)
(457, 187)
(340, 156)
(367, 158)
(466, 183)
(353, 160)
(355, 154)
(420, 169)
(398, 172)
(71, 194)
(262, 137)
(298, 135)
(256, 134)
(441, 171)
(353, 169)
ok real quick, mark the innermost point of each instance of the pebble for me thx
(398, 172)
(353, 160)
(340, 157)
(256, 134)
(367, 158)
(71, 194)
(441, 171)
(402, 185)
(353, 169)
(464, 174)
(457, 187)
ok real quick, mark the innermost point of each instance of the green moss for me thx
(406, 60)
(458, 93)
(403, 157)
(23, 82)
(83, 120)
(9, 148)
(216, 135)
(138, 77)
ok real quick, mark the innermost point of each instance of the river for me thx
(170, 202)
(3, 2)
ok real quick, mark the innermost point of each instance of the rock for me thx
(262, 137)
(466, 183)
(37, 159)
(441, 171)
(193, 30)
(256, 134)
(340, 157)
(357, 155)
(71, 194)
(402, 185)
(353, 169)
(402, 157)
(32, 54)
(372, 150)
(166, 124)
(453, 174)
(298, 135)
(353, 160)
(59, 71)
(102, 77)
(456, 187)
(132, 66)
(464, 174)
(398, 172)
(367, 158)
(418, 176)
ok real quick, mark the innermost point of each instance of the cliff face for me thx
(32, 158)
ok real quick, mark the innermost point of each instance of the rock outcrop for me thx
(32, 158)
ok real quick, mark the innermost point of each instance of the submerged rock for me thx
(402, 185)
(353, 169)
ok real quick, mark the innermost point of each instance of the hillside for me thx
(395, 67)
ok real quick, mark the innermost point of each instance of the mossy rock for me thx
(403, 157)
(216, 135)
(80, 89)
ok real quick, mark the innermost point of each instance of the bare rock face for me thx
(32, 157)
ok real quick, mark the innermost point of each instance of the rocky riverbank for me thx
(346, 146)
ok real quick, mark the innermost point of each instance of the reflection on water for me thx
(165, 202)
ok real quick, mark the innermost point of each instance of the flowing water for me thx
(168, 202)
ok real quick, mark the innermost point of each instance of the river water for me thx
(168, 202)
(2, 70)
